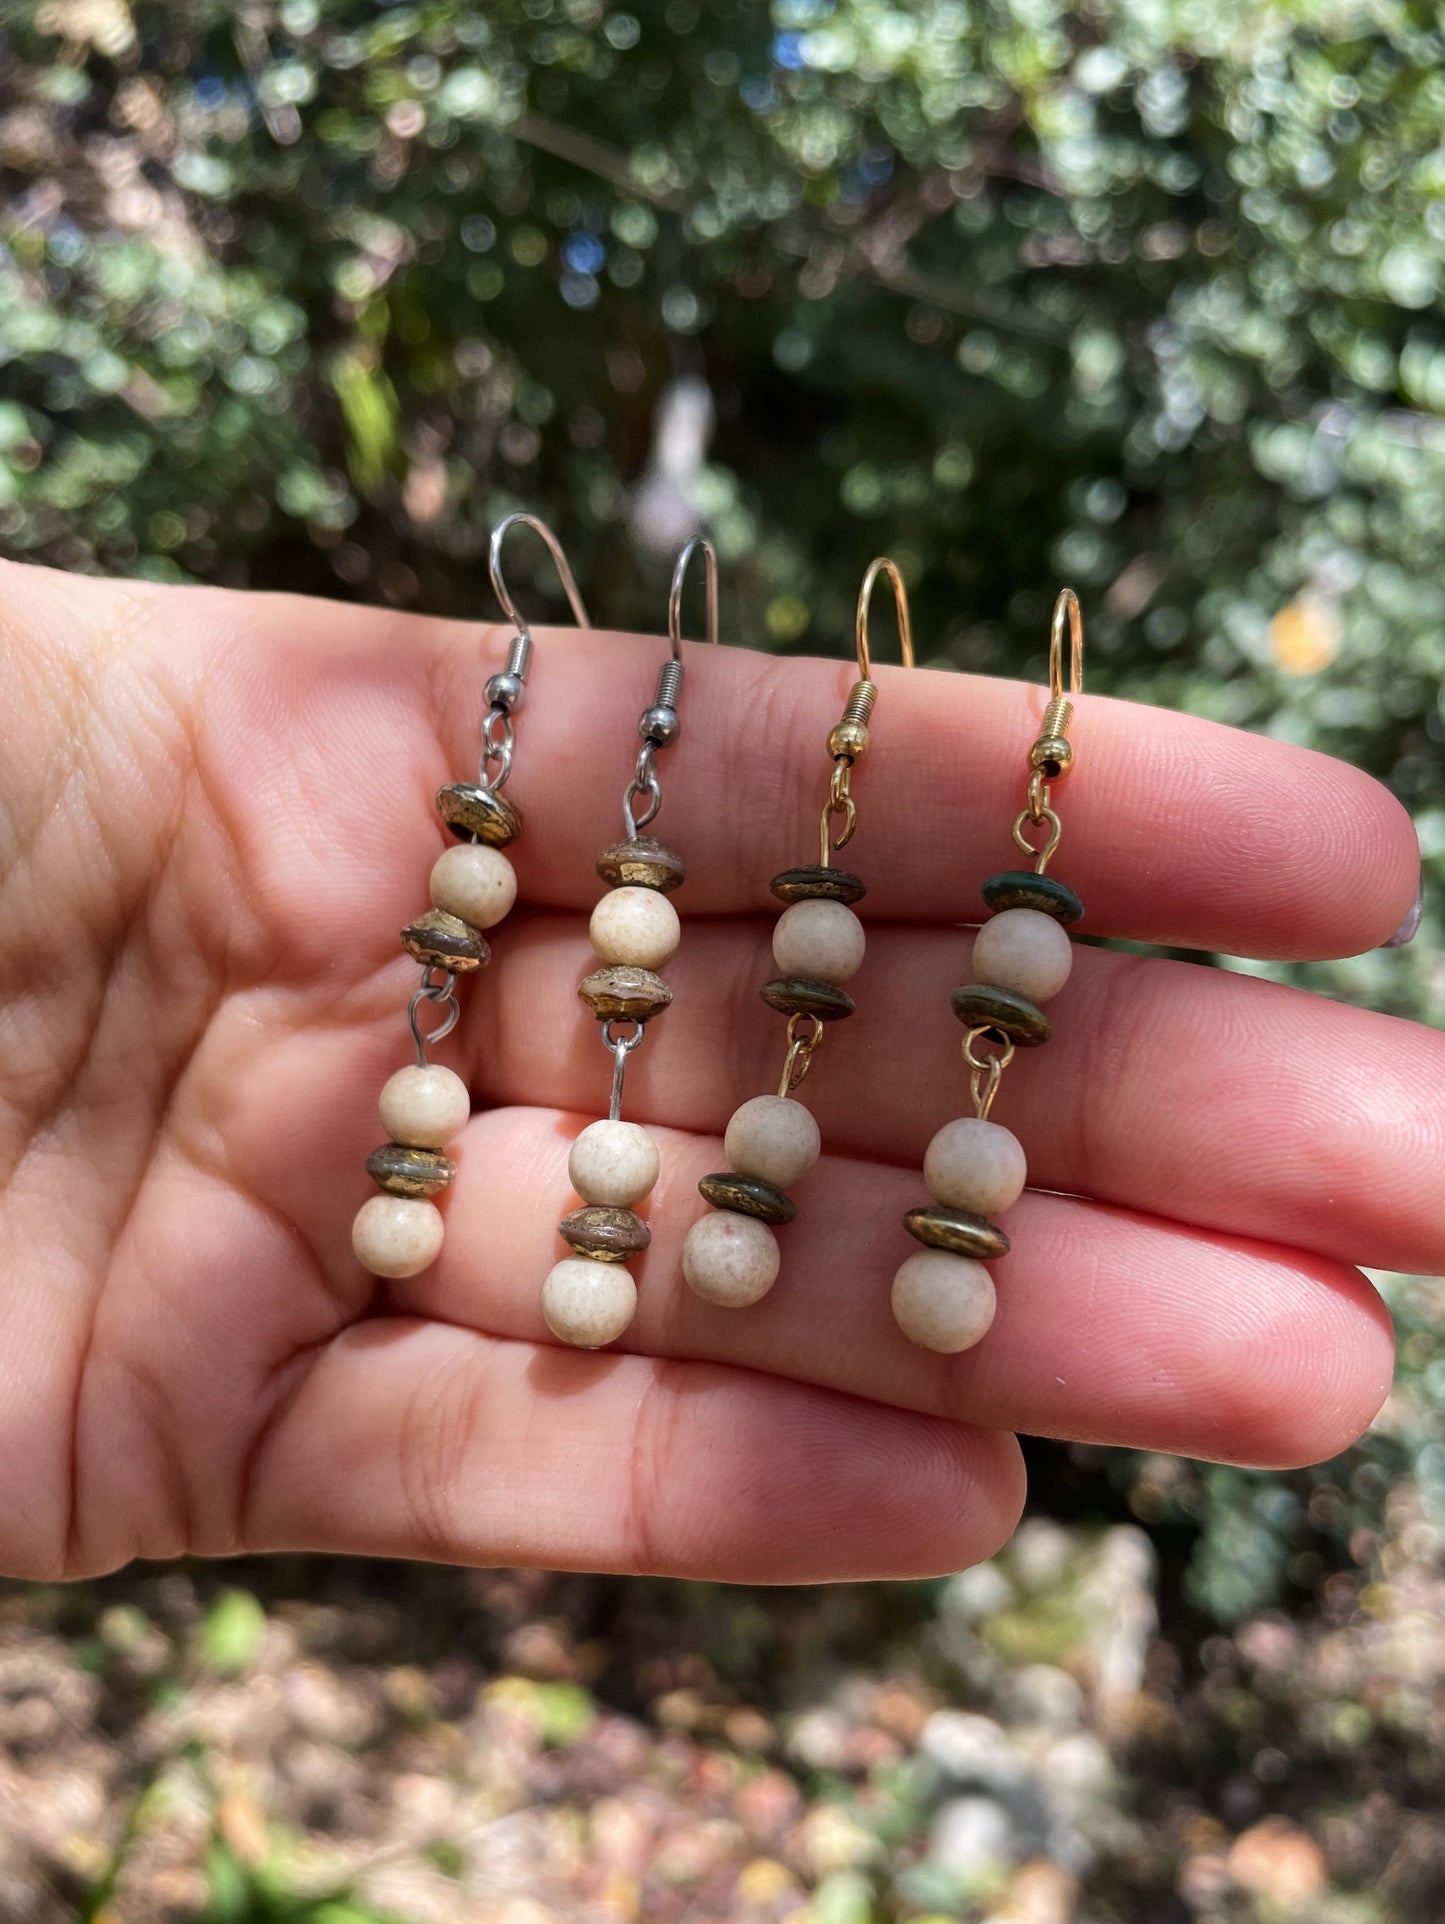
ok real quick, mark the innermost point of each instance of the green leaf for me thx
(232, 1634)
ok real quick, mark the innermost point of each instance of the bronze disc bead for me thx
(800, 995)
(468, 810)
(642, 864)
(959, 1231)
(817, 884)
(748, 1196)
(443, 941)
(606, 1234)
(623, 993)
(1020, 888)
(401, 1171)
(982, 1005)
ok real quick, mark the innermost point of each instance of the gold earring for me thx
(943, 1297)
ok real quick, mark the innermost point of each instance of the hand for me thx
(217, 813)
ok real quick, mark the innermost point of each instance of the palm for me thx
(218, 814)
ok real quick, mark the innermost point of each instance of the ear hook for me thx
(1052, 755)
(1066, 605)
(882, 566)
(554, 548)
(674, 599)
(658, 725)
(504, 691)
(848, 742)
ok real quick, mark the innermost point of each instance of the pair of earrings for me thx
(942, 1296)
(635, 929)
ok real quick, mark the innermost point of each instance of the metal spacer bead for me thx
(1052, 755)
(505, 691)
(848, 741)
(660, 725)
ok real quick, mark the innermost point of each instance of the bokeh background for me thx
(305, 294)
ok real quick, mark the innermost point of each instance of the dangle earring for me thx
(589, 1297)
(943, 1297)
(730, 1256)
(473, 885)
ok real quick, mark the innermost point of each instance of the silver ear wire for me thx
(659, 724)
(506, 690)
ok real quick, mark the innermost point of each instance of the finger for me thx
(411, 1439)
(1178, 830)
(1197, 1094)
(1111, 1328)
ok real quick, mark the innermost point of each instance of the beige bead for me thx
(397, 1235)
(635, 925)
(474, 882)
(773, 1137)
(975, 1165)
(425, 1108)
(819, 939)
(613, 1162)
(730, 1260)
(943, 1302)
(588, 1304)
(1024, 950)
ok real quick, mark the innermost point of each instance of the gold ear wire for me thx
(848, 742)
(882, 566)
(1052, 755)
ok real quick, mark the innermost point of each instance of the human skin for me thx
(215, 815)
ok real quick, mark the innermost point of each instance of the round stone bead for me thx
(588, 1304)
(425, 1108)
(635, 925)
(474, 882)
(613, 1162)
(773, 1137)
(397, 1235)
(943, 1302)
(1026, 950)
(977, 1165)
(820, 939)
(730, 1260)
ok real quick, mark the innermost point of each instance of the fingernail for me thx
(1410, 926)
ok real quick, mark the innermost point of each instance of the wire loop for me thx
(985, 1072)
(800, 1052)
(442, 993)
(621, 1047)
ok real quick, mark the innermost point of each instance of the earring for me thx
(943, 1297)
(589, 1297)
(730, 1256)
(473, 885)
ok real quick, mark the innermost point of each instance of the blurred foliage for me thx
(1148, 297)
